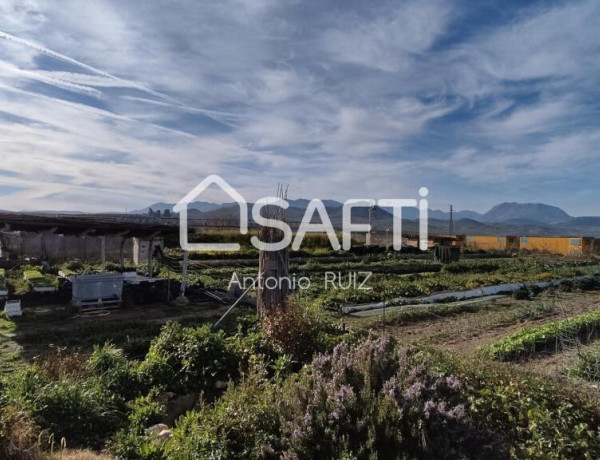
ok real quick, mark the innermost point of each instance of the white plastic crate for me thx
(12, 308)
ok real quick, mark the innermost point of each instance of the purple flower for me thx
(453, 383)
(429, 408)
(415, 391)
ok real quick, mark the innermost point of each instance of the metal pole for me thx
(236, 302)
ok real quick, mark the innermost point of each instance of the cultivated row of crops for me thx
(552, 336)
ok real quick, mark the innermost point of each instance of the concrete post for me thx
(182, 299)
(150, 250)
(103, 250)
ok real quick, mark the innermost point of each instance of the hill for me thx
(538, 212)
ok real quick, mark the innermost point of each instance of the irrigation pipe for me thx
(497, 289)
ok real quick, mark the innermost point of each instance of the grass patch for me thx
(533, 311)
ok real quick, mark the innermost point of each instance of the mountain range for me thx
(502, 219)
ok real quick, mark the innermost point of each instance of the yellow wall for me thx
(556, 245)
(486, 243)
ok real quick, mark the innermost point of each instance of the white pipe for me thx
(458, 295)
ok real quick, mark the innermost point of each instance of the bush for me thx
(292, 330)
(81, 411)
(521, 294)
(587, 283)
(527, 292)
(244, 423)
(367, 401)
(587, 365)
(57, 364)
(188, 360)
(539, 420)
(19, 435)
(134, 442)
(359, 402)
(117, 374)
(250, 347)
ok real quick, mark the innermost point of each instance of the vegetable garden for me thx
(422, 382)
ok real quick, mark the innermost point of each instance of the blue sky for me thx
(111, 105)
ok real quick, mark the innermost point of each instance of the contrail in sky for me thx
(75, 62)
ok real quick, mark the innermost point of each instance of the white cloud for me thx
(116, 96)
(389, 41)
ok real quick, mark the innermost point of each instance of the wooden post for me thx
(273, 282)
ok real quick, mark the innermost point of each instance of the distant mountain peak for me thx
(202, 206)
(538, 212)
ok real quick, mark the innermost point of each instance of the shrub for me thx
(187, 360)
(539, 420)
(587, 365)
(134, 442)
(521, 294)
(367, 401)
(244, 423)
(74, 265)
(251, 346)
(81, 411)
(363, 401)
(587, 283)
(19, 286)
(117, 374)
(58, 363)
(19, 435)
(471, 267)
(292, 330)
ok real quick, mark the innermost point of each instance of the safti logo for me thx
(182, 209)
(314, 206)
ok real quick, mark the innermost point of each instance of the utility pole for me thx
(368, 238)
(451, 223)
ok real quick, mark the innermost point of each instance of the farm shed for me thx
(492, 243)
(564, 245)
(92, 238)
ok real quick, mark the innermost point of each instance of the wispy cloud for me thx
(113, 104)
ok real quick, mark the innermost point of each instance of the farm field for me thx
(246, 387)
(468, 332)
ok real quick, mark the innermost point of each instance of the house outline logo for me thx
(182, 208)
